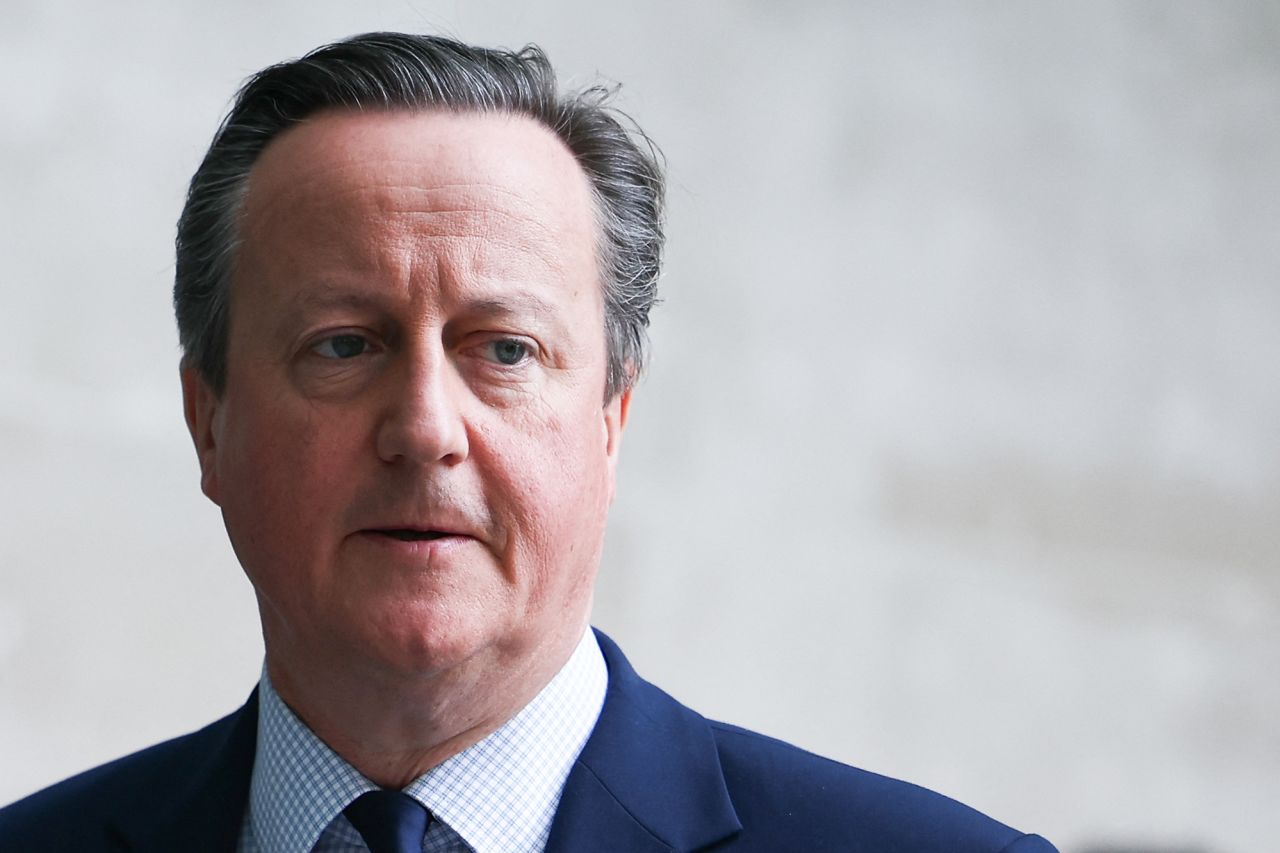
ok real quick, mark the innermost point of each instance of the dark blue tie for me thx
(389, 821)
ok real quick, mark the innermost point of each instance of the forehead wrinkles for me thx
(388, 200)
(375, 190)
(415, 235)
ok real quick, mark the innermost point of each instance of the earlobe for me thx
(200, 406)
(615, 419)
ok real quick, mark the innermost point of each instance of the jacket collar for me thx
(203, 807)
(649, 778)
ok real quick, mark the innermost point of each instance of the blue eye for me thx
(509, 352)
(342, 346)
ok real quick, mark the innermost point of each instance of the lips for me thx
(430, 526)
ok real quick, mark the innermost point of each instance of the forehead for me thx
(416, 173)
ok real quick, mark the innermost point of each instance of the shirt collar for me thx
(498, 794)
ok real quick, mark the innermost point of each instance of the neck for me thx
(392, 727)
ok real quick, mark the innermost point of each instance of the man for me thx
(412, 288)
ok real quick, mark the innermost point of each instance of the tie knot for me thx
(389, 821)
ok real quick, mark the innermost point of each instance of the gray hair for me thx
(400, 71)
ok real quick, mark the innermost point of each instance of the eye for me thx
(341, 346)
(507, 351)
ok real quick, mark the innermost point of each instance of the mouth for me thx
(409, 535)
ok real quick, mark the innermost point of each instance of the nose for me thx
(423, 421)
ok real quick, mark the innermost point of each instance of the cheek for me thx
(272, 466)
(553, 491)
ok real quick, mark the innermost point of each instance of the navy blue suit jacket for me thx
(654, 777)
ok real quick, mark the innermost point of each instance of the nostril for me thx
(422, 426)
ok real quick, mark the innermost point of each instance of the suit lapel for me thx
(202, 810)
(648, 779)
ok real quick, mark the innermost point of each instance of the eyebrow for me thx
(507, 305)
(334, 297)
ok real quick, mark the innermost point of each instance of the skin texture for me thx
(416, 344)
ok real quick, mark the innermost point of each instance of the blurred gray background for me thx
(957, 458)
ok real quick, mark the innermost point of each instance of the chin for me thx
(429, 645)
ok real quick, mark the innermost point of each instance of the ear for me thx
(615, 419)
(200, 405)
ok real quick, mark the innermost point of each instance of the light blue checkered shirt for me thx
(499, 795)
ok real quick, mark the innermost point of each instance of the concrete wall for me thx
(957, 459)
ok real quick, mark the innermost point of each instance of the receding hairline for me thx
(470, 121)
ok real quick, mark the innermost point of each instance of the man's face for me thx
(411, 453)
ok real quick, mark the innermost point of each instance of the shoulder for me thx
(87, 810)
(691, 782)
(802, 800)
